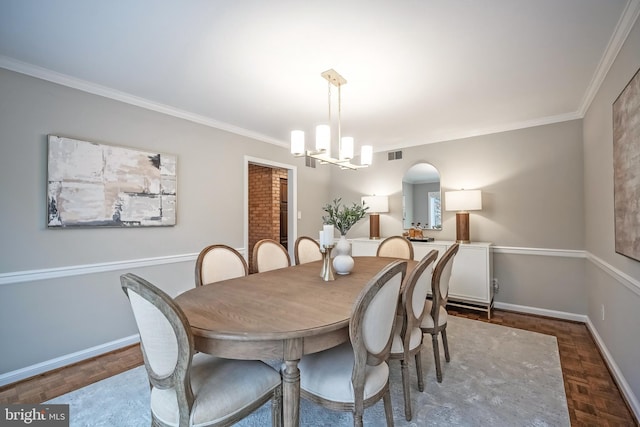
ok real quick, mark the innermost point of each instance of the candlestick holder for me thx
(327, 267)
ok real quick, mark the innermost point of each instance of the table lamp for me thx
(463, 201)
(377, 205)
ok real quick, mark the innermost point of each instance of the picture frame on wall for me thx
(98, 185)
(626, 169)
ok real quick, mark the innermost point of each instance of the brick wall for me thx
(264, 204)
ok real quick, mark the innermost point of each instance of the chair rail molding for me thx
(77, 270)
(620, 276)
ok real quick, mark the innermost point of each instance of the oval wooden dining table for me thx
(279, 314)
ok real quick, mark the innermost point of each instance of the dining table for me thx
(280, 314)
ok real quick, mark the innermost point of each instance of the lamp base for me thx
(374, 226)
(462, 227)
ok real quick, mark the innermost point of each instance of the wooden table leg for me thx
(291, 394)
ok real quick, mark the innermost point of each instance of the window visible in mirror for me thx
(421, 202)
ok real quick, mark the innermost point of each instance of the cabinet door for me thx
(470, 274)
(422, 249)
(364, 248)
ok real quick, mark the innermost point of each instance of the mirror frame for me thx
(421, 173)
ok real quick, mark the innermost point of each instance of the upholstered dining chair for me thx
(306, 250)
(434, 321)
(407, 336)
(194, 389)
(269, 255)
(355, 375)
(219, 262)
(396, 247)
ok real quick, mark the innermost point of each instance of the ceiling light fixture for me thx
(322, 153)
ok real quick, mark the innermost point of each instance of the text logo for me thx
(34, 415)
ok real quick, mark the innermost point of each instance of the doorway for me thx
(269, 204)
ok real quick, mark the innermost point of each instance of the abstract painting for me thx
(626, 169)
(97, 185)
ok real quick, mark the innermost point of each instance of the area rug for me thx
(498, 376)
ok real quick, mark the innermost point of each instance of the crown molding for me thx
(107, 92)
(619, 36)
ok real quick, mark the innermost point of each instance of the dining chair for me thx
(434, 321)
(306, 250)
(219, 262)
(395, 247)
(407, 336)
(190, 389)
(355, 374)
(269, 255)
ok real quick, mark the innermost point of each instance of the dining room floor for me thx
(593, 398)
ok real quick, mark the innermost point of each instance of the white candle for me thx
(328, 234)
(321, 239)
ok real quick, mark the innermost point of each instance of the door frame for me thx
(292, 194)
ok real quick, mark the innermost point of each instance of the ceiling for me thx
(417, 71)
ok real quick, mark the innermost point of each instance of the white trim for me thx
(107, 92)
(68, 359)
(620, 276)
(542, 312)
(77, 270)
(292, 184)
(619, 36)
(566, 253)
(622, 383)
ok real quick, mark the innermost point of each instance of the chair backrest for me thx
(418, 285)
(440, 280)
(219, 262)
(395, 247)
(306, 250)
(373, 317)
(165, 338)
(269, 255)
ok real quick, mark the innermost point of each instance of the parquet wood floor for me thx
(593, 398)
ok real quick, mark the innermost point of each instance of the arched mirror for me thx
(421, 206)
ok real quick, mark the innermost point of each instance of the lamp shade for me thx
(463, 200)
(346, 148)
(297, 142)
(323, 137)
(377, 204)
(366, 155)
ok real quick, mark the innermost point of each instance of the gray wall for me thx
(618, 288)
(531, 181)
(45, 319)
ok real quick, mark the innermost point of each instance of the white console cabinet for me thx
(472, 272)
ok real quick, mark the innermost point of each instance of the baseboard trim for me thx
(66, 360)
(542, 312)
(622, 383)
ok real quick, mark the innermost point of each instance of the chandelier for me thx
(322, 151)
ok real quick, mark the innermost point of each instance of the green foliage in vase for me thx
(341, 216)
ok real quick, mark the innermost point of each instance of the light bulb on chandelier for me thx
(322, 150)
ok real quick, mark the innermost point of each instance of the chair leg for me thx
(276, 407)
(357, 420)
(436, 356)
(388, 410)
(419, 371)
(406, 388)
(445, 344)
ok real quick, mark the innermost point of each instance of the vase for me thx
(343, 263)
(343, 247)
